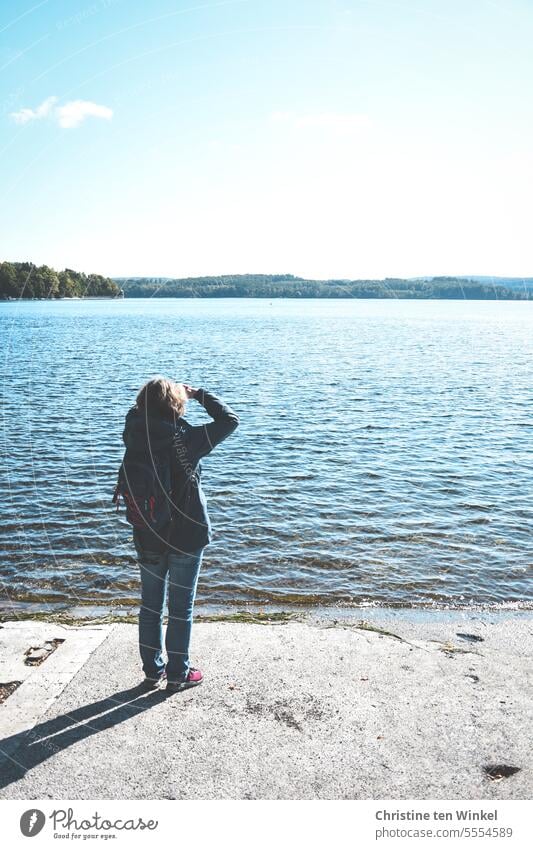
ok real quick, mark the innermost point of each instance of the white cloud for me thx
(72, 114)
(24, 116)
(68, 116)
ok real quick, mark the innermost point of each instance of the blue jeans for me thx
(182, 571)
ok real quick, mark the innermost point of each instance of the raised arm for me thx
(203, 438)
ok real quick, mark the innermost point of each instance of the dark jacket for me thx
(190, 527)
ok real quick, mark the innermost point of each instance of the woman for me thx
(155, 427)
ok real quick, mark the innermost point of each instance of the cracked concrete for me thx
(40, 685)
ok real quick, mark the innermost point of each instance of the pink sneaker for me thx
(194, 677)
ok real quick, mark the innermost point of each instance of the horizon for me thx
(345, 140)
(288, 275)
(487, 277)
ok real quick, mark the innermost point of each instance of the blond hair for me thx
(161, 396)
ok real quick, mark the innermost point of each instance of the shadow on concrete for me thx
(26, 750)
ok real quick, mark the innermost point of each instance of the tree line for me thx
(26, 280)
(288, 286)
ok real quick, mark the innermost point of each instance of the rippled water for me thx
(383, 456)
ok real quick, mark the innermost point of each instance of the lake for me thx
(383, 456)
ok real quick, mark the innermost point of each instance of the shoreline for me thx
(503, 297)
(272, 613)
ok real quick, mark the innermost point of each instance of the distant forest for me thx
(287, 286)
(26, 280)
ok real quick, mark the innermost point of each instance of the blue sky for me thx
(314, 137)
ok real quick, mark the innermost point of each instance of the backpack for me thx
(145, 485)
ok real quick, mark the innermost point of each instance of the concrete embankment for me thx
(399, 706)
